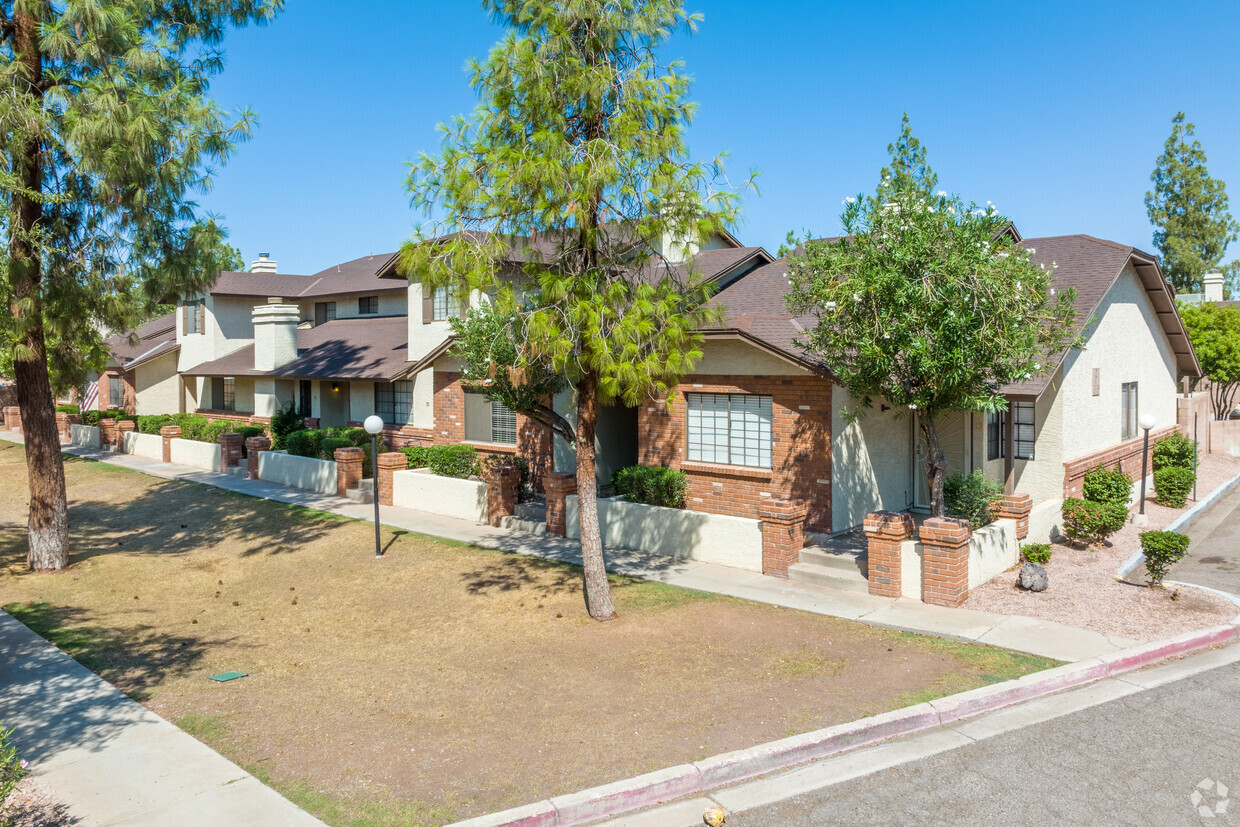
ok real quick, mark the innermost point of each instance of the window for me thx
(503, 424)
(729, 428)
(996, 435)
(489, 422)
(1128, 410)
(324, 312)
(305, 398)
(116, 392)
(223, 393)
(366, 305)
(394, 401)
(445, 305)
(1024, 437)
(192, 316)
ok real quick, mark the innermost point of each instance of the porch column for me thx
(107, 433)
(348, 468)
(169, 433)
(1016, 507)
(885, 531)
(389, 463)
(254, 446)
(783, 534)
(945, 561)
(559, 485)
(230, 450)
(502, 481)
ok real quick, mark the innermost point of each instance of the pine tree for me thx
(107, 134)
(909, 170)
(574, 163)
(1189, 211)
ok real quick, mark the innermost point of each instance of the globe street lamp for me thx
(373, 425)
(1146, 421)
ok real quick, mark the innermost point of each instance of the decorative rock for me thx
(714, 817)
(1032, 577)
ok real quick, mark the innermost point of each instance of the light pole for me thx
(1146, 421)
(373, 425)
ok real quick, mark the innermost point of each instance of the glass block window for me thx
(729, 428)
(368, 305)
(394, 401)
(503, 424)
(1023, 438)
(1128, 411)
(445, 304)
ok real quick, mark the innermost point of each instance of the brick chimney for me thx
(275, 334)
(265, 264)
(1213, 282)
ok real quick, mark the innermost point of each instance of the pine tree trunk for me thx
(598, 592)
(936, 465)
(49, 519)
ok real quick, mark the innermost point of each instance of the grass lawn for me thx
(443, 681)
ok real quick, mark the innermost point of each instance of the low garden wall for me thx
(86, 436)
(993, 549)
(299, 472)
(676, 533)
(204, 455)
(421, 490)
(150, 446)
(1224, 437)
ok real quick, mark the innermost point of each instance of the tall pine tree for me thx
(1189, 211)
(107, 134)
(909, 170)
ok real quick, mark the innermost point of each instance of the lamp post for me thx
(373, 425)
(1146, 421)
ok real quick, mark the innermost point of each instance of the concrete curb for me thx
(1183, 521)
(635, 793)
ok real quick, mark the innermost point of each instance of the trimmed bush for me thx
(651, 485)
(1172, 485)
(1039, 553)
(520, 463)
(284, 422)
(971, 496)
(1174, 451)
(1162, 549)
(93, 417)
(305, 443)
(356, 437)
(152, 424)
(68, 409)
(1103, 486)
(329, 444)
(1092, 523)
(459, 461)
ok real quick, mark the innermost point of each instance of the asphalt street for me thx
(1214, 551)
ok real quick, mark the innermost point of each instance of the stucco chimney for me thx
(264, 264)
(1213, 282)
(275, 334)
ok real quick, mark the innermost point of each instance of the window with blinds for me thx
(116, 392)
(367, 305)
(503, 424)
(445, 304)
(1024, 436)
(394, 401)
(729, 428)
(1128, 410)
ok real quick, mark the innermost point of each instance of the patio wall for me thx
(993, 549)
(421, 490)
(299, 472)
(204, 455)
(150, 446)
(84, 435)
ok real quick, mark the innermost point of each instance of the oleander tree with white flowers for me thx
(925, 302)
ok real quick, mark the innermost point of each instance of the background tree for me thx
(574, 164)
(924, 304)
(909, 169)
(1189, 211)
(107, 132)
(1214, 331)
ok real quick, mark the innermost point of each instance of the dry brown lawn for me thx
(443, 681)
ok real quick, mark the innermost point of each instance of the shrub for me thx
(1039, 553)
(970, 496)
(93, 417)
(284, 422)
(458, 461)
(68, 409)
(12, 769)
(368, 461)
(652, 485)
(152, 424)
(304, 443)
(1091, 523)
(354, 436)
(1172, 486)
(1174, 451)
(1103, 486)
(247, 431)
(1162, 549)
(329, 444)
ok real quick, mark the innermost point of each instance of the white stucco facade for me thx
(871, 462)
(733, 357)
(156, 386)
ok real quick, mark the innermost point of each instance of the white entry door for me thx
(954, 438)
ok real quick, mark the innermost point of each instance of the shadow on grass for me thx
(508, 573)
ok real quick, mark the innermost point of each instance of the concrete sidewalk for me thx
(108, 759)
(1023, 634)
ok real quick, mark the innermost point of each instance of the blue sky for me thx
(1055, 111)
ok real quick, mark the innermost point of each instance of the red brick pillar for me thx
(8, 414)
(1015, 507)
(783, 534)
(502, 482)
(311, 422)
(124, 426)
(348, 468)
(558, 485)
(885, 531)
(389, 463)
(253, 447)
(169, 433)
(107, 432)
(70, 421)
(62, 425)
(231, 448)
(13, 418)
(945, 561)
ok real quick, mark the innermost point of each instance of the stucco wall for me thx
(299, 472)
(871, 465)
(992, 551)
(422, 412)
(156, 386)
(84, 435)
(150, 446)
(361, 400)
(421, 490)
(227, 325)
(205, 455)
(725, 357)
(390, 304)
(675, 533)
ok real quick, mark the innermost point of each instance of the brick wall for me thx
(783, 534)
(801, 455)
(348, 468)
(215, 415)
(1126, 456)
(129, 395)
(389, 464)
(885, 533)
(945, 561)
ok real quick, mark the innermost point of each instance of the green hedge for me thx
(1172, 485)
(284, 422)
(93, 417)
(651, 485)
(1091, 523)
(1162, 550)
(972, 497)
(1174, 451)
(305, 443)
(68, 409)
(1103, 486)
(459, 461)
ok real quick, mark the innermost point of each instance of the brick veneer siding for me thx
(534, 441)
(408, 435)
(348, 468)
(559, 485)
(254, 446)
(1126, 456)
(800, 455)
(1015, 507)
(945, 561)
(783, 534)
(502, 482)
(885, 531)
(169, 433)
(389, 463)
(244, 417)
(232, 447)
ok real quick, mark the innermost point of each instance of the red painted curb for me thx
(1140, 656)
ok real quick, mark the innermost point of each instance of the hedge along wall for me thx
(421, 490)
(143, 445)
(676, 533)
(204, 455)
(299, 472)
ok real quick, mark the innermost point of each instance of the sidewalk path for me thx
(110, 760)
(1023, 634)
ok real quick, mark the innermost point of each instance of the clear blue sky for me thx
(1055, 111)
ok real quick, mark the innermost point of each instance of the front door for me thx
(953, 431)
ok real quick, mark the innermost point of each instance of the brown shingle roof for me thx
(356, 277)
(351, 349)
(150, 335)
